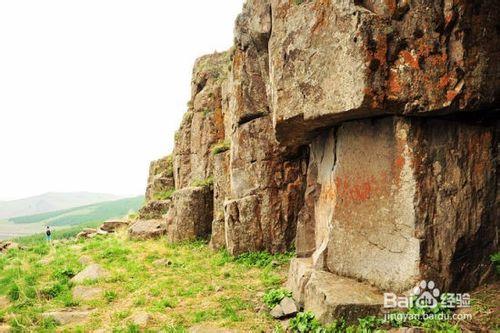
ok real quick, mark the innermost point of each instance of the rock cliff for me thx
(364, 134)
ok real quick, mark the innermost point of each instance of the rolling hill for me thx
(83, 214)
(50, 202)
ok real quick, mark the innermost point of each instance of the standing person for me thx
(48, 234)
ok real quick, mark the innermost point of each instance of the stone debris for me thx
(68, 316)
(113, 225)
(147, 229)
(289, 307)
(141, 319)
(91, 272)
(86, 293)
(277, 312)
(8, 245)
(87, 233)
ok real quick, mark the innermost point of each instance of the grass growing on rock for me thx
(198, 287)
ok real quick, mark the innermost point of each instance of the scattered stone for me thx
(162, 262)
(87, 233)
(289, 307)
(141, 319)
(147, 229)
(85, 260)
(85, 293)
(101, 232)
(219, 289)
(277, 312)
(6, 246)
(68, 316)
(92, 272)
(113, 225)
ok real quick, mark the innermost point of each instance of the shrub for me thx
(221, 147)
(164, 195)
(110, 296)
(495, 258)
(305, 322)
(204, 182)
(274, 296)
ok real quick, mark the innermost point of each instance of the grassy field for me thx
(197, 288)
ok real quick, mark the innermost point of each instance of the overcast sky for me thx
(92, 91)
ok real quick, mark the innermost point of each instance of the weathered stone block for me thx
(161, 178)
(190, 216)
(329, 296)
(401, 199)
(333, 61)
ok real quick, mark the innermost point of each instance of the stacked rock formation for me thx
(364, 133)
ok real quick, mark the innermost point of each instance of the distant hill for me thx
(84, 214)
(50, 202)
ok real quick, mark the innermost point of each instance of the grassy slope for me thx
(84, 214)
(200, 287)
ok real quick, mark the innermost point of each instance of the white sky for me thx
(92, 90)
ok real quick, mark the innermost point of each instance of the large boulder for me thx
(333, 61)
(404, 199)
(147, 229)
(191, 215)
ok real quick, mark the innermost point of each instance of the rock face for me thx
(333, 61)
(364, 132)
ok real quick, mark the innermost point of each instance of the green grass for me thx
(201, 287)
(221, 147)
(96, 212)
(203, 182)
(164, 195)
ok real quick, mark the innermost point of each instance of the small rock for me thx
(289, 307)
(92, 272)
(86, 293)
(218, 289)
(102, 232)
(85, 260)
(277, 312)
(162, 262)
(68, 316)
(4, 302)
(261, 309)
(6, 246)
(141, 319)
